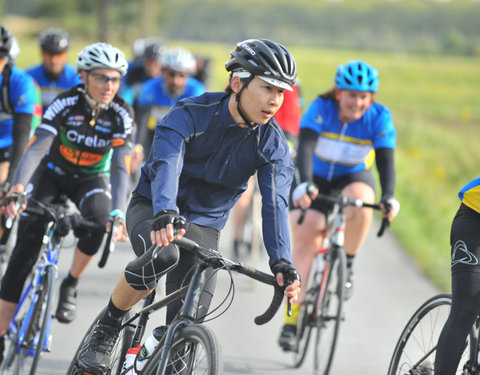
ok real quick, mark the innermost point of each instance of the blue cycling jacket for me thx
(200, 163)
(51, 88)
(345, 148)
(470, 194)
(22, 99)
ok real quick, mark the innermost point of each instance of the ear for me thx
(236, 84)
(83, 76)
(338, 94)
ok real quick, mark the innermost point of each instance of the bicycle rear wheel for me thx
(119, 352)
(330, 314)
(23, 357)
(194, 351)
(416, 347)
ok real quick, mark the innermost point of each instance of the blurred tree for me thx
(103, 20)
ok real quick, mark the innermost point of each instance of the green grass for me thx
(434, 103)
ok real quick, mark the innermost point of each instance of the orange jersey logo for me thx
(79, 157)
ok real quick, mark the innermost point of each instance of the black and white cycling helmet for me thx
(101, 55)
(6, 38)
(179, 60)
(54, 40)
(268, 60)
(14, 50)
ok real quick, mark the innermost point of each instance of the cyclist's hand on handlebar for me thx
(10, 206)
(286, 274)
(390, 207)
(164, 225)
(117, 223)
(303, 194)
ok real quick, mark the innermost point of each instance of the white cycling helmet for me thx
(179, 59)
(101, 55)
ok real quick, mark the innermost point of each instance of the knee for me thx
(148, 276)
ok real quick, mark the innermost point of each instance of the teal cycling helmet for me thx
(358, 76)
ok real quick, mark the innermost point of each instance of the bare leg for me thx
(7, 310)
(124, 296)
(80, 263)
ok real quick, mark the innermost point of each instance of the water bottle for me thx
(127, 368)
(149, 346)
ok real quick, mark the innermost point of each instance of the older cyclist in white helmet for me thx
(79, 151)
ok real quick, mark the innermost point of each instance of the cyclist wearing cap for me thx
(204, 151)
(342, 132)
(18, 107)
(85, 134)
(54, 74)
(159, 94)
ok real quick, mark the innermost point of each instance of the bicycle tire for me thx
(119, 352)
(23, 361)
(418, 340)
(306, 316)
(207, 358)
(330, 313)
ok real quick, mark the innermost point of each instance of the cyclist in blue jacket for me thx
(342, 132)
(465, 253)
(159, 94)
(205, 150)
(17, 108)
(54, 75)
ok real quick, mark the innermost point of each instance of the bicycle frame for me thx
(49, 259)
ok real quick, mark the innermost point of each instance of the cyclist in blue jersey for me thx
(205, 150)
(17, 107)
(80, 151)
(159, 94)
(145, 65)
(54, 74)
(465, 266)
(342, 132)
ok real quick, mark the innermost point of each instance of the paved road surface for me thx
(388, 288)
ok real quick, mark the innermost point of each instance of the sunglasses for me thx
(102, 78)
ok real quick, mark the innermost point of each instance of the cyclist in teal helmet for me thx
(341, 133)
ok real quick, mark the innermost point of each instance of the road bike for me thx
(322, 307)
(29, 332)
(415, 350)
(188, 346)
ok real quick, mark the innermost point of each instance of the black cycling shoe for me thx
(67, 304)
(288, 338)
(349, 284)
(94, 355)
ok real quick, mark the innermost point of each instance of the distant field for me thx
(435, 106)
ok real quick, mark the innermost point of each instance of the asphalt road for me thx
(388, 288)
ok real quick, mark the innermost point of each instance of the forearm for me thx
(386, 170)
(20, 134)
(306, 148)
(119, 177)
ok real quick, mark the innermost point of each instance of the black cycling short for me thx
(178, 264)
(5, 154)
(335, 187)
(465, 256)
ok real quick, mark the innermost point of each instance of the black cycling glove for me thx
(289, 272)
(165, 217)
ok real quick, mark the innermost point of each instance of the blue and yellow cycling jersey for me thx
(470, 194)
(347, 147)
(22, 98)
(153, 94)
(49, 87)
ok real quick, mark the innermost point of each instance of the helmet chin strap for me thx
(96, 106)
(248, 122)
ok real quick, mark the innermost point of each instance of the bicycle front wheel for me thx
(416, 347)
(330, 314)
(194, 351)
(26, 346)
